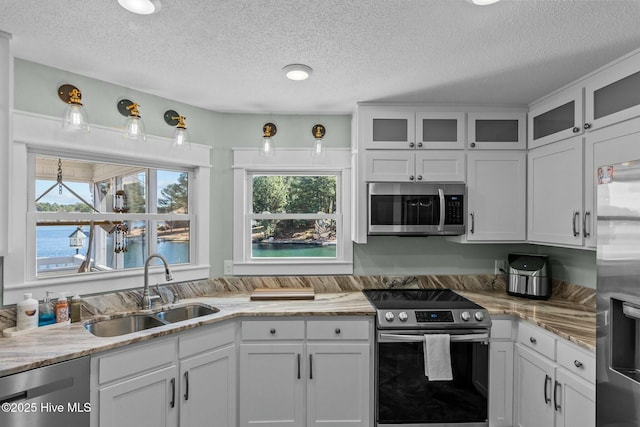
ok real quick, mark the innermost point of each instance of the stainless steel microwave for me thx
(416, 209)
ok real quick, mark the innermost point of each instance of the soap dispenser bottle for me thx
(27, 313)
(47, 314)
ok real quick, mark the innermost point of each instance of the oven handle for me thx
(442, 210)
(420, 338)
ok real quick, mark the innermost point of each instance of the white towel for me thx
(437, 357)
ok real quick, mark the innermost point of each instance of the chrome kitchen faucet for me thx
(146, 298)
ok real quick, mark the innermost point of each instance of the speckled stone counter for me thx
(570, 313)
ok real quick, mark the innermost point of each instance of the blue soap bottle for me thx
(47, 313)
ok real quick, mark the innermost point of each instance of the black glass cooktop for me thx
(417, 299)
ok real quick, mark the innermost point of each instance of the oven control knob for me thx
(403, 316)
(479, 316)
(465, 316)
(389, 316)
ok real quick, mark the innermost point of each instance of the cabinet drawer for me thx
(338, 330)
(501, 329)
(576, 360)
(205, 338)
(536, 338)
(273, 330)
(136, 360)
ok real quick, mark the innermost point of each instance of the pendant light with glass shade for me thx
(317, 149)
(181, 140)
(75, 117)
(267, 148)
(134, 128)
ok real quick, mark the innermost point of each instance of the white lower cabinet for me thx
(305, 373)
(186, 380)
(501, 373)
(549, 393)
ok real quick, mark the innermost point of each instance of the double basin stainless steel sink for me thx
(140, 322)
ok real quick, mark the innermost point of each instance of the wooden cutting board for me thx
(265, 294)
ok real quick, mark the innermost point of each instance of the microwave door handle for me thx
(420, 338)
(441, 195)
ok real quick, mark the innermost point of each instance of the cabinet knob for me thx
(578, 364)
(472, 145)
(272, 331)
(533, 340)
(338, 330)
(419, 177)
(419, 144)
(576, 129)
(587, 125)
(411, 144)
(411, 178)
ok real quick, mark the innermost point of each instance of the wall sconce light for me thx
(75, 116)
(180, 136)
(133, 126)
(318, 132)
(267, 147)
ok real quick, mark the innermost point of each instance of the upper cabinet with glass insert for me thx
(409, 130)
(613, 95)
(497, 131)
(558, 118)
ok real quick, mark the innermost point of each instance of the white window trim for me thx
(34, 133)
(246, 163)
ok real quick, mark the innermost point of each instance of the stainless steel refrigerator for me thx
(618, 297)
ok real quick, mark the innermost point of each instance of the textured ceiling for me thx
(227, 55)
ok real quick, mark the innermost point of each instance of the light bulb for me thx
(75, 118)
(317, 150)
(267, 148)
(181, 139)
(134, 129)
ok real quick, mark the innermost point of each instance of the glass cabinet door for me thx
(388, 129)
(440, 130)
(557, 118)
(504, 131)
(614, 94)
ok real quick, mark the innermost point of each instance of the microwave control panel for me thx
(454, 209)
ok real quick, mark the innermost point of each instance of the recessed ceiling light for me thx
(297, 71)
(141, 7)
(484, 2)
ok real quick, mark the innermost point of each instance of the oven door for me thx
(404, 395)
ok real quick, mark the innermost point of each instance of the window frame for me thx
(247, 164)
(35, 134)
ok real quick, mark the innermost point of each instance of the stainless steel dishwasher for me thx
(52, 396)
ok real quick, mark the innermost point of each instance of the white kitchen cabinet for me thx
(305, 373)
(6, 105)
(185, 380)
(501, 373)
(496, 194)
(414, 166)
(552, 394)
(559, 117)
(497, 131)
(555, 193)
(391, 129)
(613, 94)
(442, 131)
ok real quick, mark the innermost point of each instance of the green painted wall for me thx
(35, 91)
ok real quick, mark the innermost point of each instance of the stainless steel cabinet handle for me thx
(547, 380)
(533, 340)
(587, 125)
(419, 177)
(272, 331)
(411, 144)
(172, 404)
(473, 222)
(576, 216)
(419, 144)
(578, 364)
(473, 145)
(411, 177)
(298, 365)
(585, 233)
(576, 129)
(556, 405)
(186, 385)
(311, 366)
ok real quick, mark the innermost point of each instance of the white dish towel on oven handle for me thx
(437, 357)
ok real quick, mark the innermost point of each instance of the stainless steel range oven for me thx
(405, 396)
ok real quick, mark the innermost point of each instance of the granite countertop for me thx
(566, 319)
